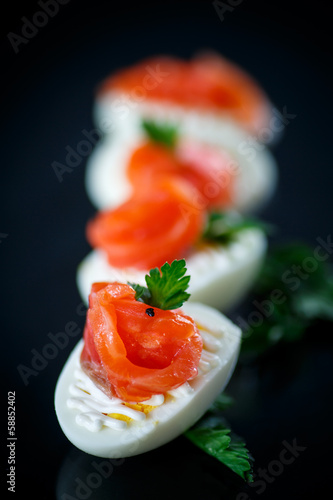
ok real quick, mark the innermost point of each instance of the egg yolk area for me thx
(131, 354)
(154, 226)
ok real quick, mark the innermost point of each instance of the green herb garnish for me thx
(166, 287)
(223, 226)
(214, 436)
(221, 403)
(161, 133)
(294, 289)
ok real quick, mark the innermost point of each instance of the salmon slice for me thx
(134, 355)
(158, 225)
(208, 82)
(206, 168)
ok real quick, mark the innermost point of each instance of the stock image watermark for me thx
(11, 441)
(219, 180)
(266, 476)
(3, 236)
(30, 27)
(248, 149)
(120, 107)
(252, 144)
(59, 341)
(83, 487)
(291, 277)
(223, 8)
(75, 156)
(123, 103)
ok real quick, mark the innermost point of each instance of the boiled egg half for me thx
(221, 275)
(110, 428)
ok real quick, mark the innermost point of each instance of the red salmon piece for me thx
(204, 167)
(134, 355)
(158, 225)
(208, 82)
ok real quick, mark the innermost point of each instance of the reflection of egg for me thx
(108, 428)
(106, 181)
(220, 274)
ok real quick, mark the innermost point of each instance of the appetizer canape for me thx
(226, 164)
(147, 368)
(220, 114)
(223, 251)
(207, 92)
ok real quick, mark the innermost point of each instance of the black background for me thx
(47, 97)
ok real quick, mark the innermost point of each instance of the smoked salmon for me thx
(208, 82)
(208, 169)
(158, 225)
(132, 351)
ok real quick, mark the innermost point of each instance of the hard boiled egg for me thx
(211, 101)
(220, 274)
(252, 165)
(110, 428)
(207, 84)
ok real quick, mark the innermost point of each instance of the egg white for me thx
(168, 420)
(115, 110)
(106, 182)
(221, 275)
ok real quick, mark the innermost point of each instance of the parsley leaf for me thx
(142, 293)
(166, 287)
(291, 295)
(221, 403)
(162, 133)
(214, 436)
(222, 226)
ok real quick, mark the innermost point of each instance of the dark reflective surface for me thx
(47, 103)
(281, 407)
(171, 472)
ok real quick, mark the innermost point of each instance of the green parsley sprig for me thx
(166, 287)
(213, 435)
(290, 296)
(162, 133)
(221, 227)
